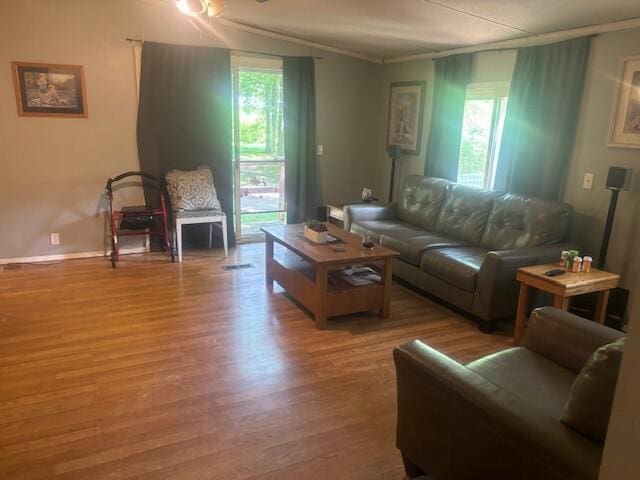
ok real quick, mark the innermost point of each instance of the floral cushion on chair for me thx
(192, 189)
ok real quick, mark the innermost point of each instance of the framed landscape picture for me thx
(406, 108)
(49, 90)
(625, 120)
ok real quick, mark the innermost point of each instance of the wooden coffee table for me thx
(562, 287)
(305, 272)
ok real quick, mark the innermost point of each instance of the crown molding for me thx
(299, 41)
(526, 41)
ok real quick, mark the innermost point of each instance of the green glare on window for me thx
(261, 116)
(484, 112)
(259, 147)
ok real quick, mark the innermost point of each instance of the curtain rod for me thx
(139, 40)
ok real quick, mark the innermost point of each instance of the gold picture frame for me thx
(50, 90)
(405, 117)
(624, 128)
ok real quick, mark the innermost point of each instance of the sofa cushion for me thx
(411, 245)
(465, 212)
(532, 378)
(589, 404)
(407, 239)
(516, 222)
(457, 266)
(421, 199)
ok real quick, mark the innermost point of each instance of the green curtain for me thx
(184, 118)
(452, 75)
(301, 178)
(541, 119)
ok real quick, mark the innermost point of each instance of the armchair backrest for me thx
(464, 212)
(421, 200)
(564, 338)
(482, 217)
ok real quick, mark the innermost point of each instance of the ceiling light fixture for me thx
(195, 8)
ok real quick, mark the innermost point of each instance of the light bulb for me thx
(193, 8)
(215, 8)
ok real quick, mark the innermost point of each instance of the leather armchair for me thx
(480, 421)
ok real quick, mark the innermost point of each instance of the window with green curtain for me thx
(452, 75)
(542, 116)
(184, 118)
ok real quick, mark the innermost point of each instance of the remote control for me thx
(554, 273)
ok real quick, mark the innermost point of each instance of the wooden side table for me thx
(562, 287)
(335, 214)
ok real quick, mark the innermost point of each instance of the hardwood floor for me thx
(174, 371)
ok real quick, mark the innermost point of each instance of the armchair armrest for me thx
(377, 211)
(453, 423)
(497, 292)
(565, 338)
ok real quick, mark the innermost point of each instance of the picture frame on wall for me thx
(49, 90)
(624, 130)
(406, 111)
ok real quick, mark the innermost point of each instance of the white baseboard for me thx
(70, 256)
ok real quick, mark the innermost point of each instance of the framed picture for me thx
(406, 108)
(625, 119)
(48, 90)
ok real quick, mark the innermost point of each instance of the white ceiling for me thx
(386, 29)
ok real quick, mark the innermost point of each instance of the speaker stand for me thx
(394, 161)
(602, 258)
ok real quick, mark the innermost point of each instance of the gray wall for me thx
(592, 155)
(408, 164)
(54, 170)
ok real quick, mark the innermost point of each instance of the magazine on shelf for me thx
(359, 275)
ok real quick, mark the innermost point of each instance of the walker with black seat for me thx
(138, 220)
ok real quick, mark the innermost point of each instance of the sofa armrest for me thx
(565, 338)
(376, 211)
(453, 423)
(497, 293)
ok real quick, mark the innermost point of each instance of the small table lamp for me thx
(394, 151)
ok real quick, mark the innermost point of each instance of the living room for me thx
(131, 365)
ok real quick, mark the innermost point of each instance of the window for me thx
(484, 111)
(258, 143)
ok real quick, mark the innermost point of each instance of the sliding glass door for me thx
(258, 144)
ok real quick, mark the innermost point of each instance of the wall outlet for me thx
(320, 149)
(587, 183)
(55, 239)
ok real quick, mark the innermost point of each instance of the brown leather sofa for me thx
(498, 417)
(464, 244)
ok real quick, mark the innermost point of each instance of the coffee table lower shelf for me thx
(312, 288)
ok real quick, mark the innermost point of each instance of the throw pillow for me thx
(591, 398)
(192, 190)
